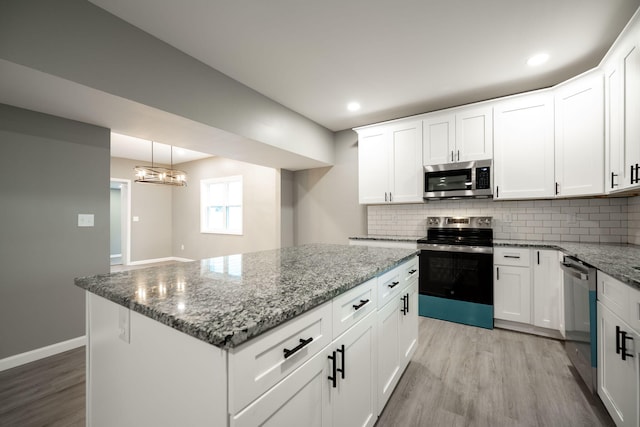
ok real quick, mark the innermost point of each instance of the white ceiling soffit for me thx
(396, 58)
(130, 147)
(50, 94)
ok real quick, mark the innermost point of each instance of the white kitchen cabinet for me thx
(408, 325)
(579, 136)
(616, 177)
(389, 162)
(631, 93)
(389, 369)
(353, 399)
(548, 298)
(512, 293)
(458, 136)
(618, 379)
(523, 147)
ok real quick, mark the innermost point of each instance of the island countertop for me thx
(227, 300)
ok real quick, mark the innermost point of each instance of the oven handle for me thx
(456, 248)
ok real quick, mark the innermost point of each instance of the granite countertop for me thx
(617, 260)
(227, 300)
(411, 239)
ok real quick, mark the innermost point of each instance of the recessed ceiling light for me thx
(353, 106)
(538, 59)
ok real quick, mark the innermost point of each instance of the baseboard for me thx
(41, 353)
(155, 260)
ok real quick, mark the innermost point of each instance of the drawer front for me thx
(614, 295)
(259, 364)
(410, 272)
(517, 257)
(634, 310)
(354, 305)
(389, 285)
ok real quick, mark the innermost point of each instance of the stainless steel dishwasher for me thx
(580, 318)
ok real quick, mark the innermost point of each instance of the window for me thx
(221, 205)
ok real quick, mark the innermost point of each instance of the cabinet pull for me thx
(497, 191)
(557, 188)
(497, 273)
(515, 256)
(613, 175)
(412, 271)
(404, 305)
(407, 303)
(362, 303)
(385, 196)
(631, 176)
(452, 155)
(624, 345)
(458, 155)
(618, 347)
(538, 257)
(390, 197)
(341, 370)
(334, 377)
(288, 353)
(637, 179)
(393, 284)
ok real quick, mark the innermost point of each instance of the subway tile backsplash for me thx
(604, 220)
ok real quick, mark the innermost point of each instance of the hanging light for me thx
(158, 175)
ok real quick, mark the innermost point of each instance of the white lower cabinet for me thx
(548, 298)
(512, 293)
(618, 379)
(408, 326)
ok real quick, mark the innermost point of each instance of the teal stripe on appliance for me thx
(593, 328)
(468, 313)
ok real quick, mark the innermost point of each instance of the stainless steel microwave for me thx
(468, 179)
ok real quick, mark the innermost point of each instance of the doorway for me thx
(119, 221)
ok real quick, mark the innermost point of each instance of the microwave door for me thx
(446, 183)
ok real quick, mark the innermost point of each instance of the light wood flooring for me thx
(459, 376)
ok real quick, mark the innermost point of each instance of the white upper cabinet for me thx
(390, 163)
(523, 152)
(460, 136)
(579, 136)
(631, 94)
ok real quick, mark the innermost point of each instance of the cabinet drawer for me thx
(518, 257)
(259, 364)
(634, 309)
(613, 294)
(393, 281)
(354, 305)
(410, 272)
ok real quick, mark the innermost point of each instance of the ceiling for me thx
(129, 147)
(396, 58)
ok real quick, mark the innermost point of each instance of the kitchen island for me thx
(196, 343)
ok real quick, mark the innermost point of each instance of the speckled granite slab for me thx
(225, 301)
(616, 260)
(411, 239)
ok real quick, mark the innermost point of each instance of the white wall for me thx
(152, 204)
(326, 199)
(261, 227)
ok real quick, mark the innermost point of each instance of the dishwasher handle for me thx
(568, 269)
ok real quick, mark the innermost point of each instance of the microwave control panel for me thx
(483, 180)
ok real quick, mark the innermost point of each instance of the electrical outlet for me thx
(85, 220)
(124, 324)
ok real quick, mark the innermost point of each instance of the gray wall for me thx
(152, 204)
(80, 42)
(51, 170)
(287, 209)
(261, 193)
(115, 227)
(326, 199)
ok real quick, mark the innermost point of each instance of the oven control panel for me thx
(459, 222)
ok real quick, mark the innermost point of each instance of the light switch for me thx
(85, 220)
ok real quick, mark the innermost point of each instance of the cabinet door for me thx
(548, 301)
(373, 165)
(353, 400)
(408, 325)
(388, 351)
(618, 379)
(579, 136)
(523, 147)
(301, 399)
(616, 176)
(631, 88)
(407, 172)
(474, 134)
(439, 139)
(512, 293)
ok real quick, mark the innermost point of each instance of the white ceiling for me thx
(129, 147)
(396, 58)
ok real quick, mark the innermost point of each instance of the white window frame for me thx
(204, 188)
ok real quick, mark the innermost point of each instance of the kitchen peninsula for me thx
(232, 340)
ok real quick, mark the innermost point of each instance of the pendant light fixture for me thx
(158, 175)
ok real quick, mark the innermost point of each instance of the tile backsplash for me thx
(604, 220)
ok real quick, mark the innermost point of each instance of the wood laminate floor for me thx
(459, 376)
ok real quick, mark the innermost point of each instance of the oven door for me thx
(447, 183)
(463, 276)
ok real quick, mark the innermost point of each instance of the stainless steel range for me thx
(456, 270)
